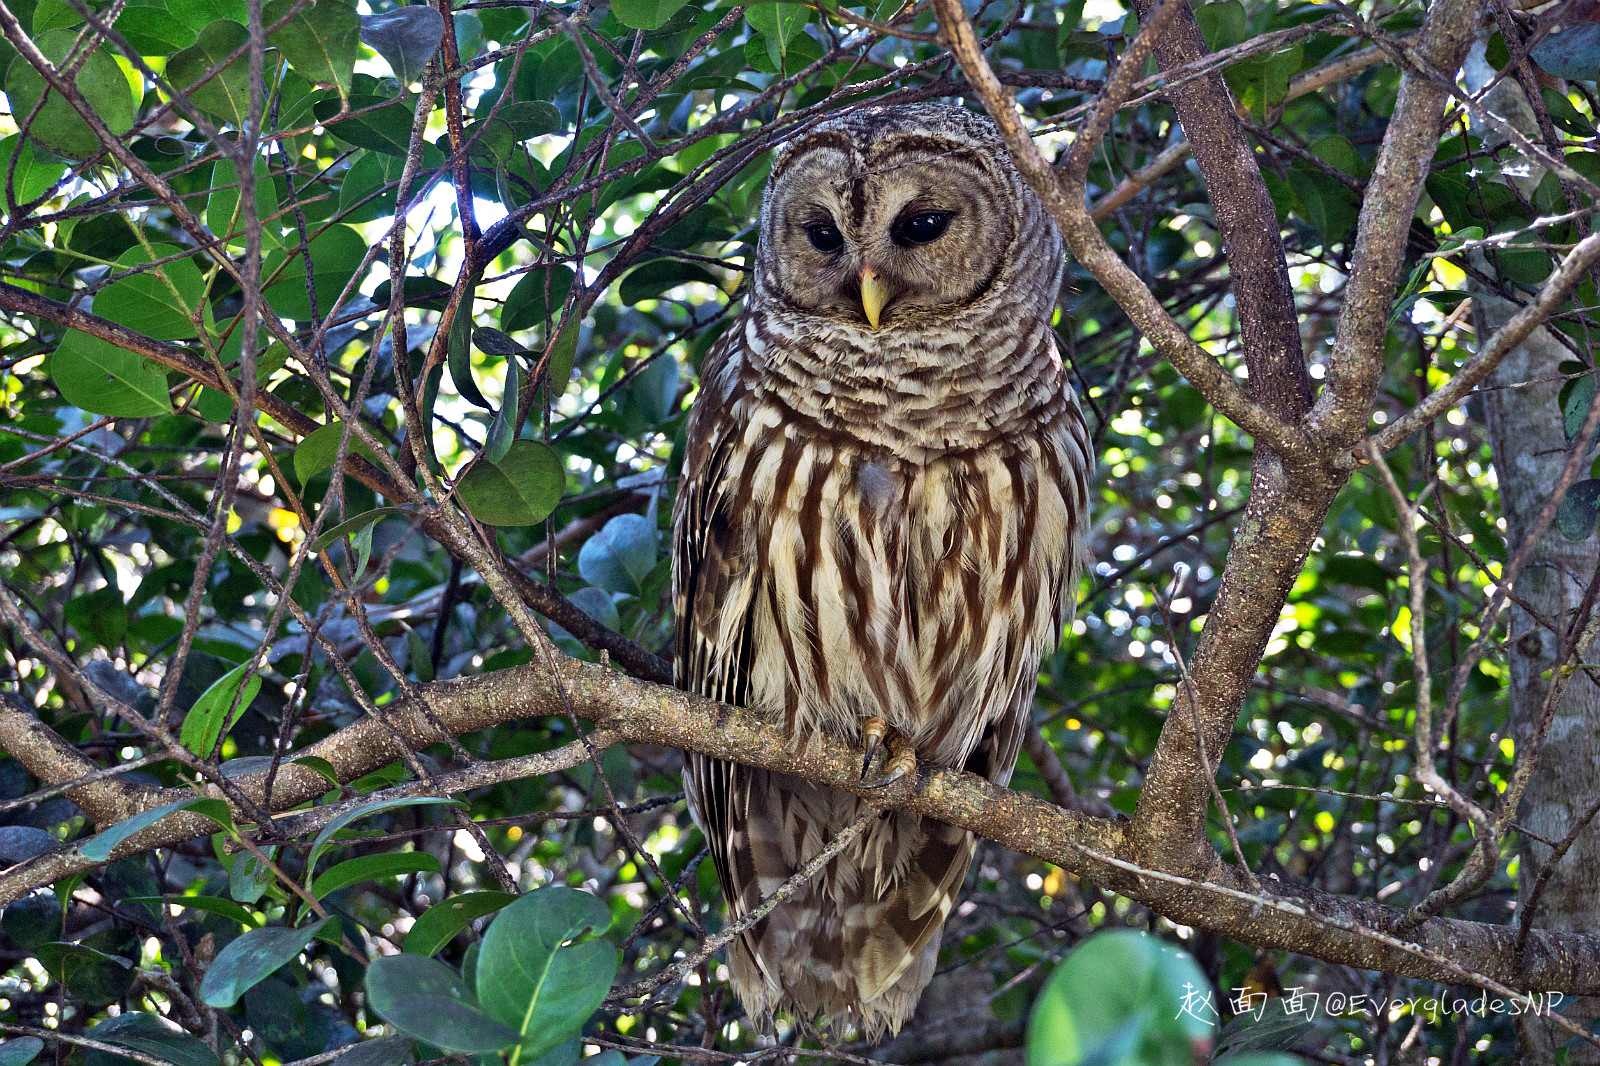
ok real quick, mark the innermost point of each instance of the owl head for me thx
(901, 217)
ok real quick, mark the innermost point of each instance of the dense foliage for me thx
(579, 185)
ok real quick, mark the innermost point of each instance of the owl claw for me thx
(873, 731)
(901, 763)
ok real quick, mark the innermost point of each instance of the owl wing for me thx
(713, 596)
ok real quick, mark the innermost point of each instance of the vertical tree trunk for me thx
(1529, 445)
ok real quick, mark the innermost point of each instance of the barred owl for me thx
(877, 534)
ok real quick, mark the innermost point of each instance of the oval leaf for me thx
(519, 490)
(251, 959)
(96, 376)
(372, 868)
(317, 451)
(532, 979)
(439, 924)
(151, 1035)
(621, 555)
(406, 38)
(208, 721)
(427, 1000)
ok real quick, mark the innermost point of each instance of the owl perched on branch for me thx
(877, 535)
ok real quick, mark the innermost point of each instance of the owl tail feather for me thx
(854, 948)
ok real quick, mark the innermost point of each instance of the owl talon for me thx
(901, 763)
(873, 731)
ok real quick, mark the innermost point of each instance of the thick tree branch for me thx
(1342, 411)
(1304, 920)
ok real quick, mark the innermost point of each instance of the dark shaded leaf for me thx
(426, 999)
(406, 38)
(251, 959)
(1579, 510)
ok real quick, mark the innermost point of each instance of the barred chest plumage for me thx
(903, 549)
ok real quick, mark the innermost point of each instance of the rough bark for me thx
(1529, 447)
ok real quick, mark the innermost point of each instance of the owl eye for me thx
(825, 237)
(923, 227)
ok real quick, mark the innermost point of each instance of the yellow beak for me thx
(874, 294)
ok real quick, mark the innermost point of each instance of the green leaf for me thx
(249, 877)
(20, 1050)
(208, 721)
(1327, 203)
(325, 839)
(1152, 1012)
(526, 305)
(98, 848)
(31, 178)
(152, 29)
(425, 999)
(320, 447)
(251, 959)
(1262, 82)
(372, 868)
(645, 14)
(503, 428)
(336, 254)
(1575, 404)
(1340, 154)
(519, 490)
(1579, 510)
(778, 23)
(621, 555)
(322, 42)
(100, 615)
(321, 766)
(373, 174)
(227, 908)
(157, 302)
(1223, 25)
(223, 216)
(529, 980)
(406, 38)
(439, 924)
(204, 12)
(97, 376)
(561, 356)
(385, 129)
(88, 973)
(354, 525)
(99, 81)
(34, 920)
(458, 352)
(150, 1034)
(226, 95)
(658, 276)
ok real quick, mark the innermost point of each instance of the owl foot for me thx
(902, 762)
